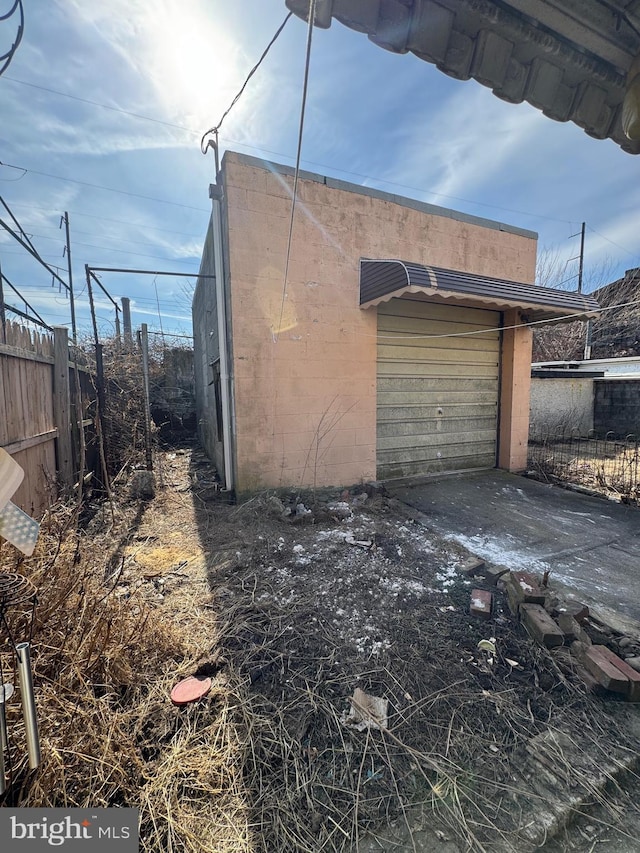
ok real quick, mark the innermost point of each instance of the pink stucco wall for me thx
(305, 367)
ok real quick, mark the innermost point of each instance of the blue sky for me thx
(373, 118)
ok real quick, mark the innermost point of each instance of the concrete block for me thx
(513, 600)
(568, 626)
(526, 588)
(575, 609)
(492, 574)
(481, 603)
(540, 625)
(472, 567)
(631, 674)
(572, 629)
(606, 673)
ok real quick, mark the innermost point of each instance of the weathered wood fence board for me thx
(37, 417)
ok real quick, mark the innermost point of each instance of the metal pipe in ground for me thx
(144, 347)
(6, 691)
(3, 741)
(25, 676)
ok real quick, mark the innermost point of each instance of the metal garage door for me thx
(437, 396)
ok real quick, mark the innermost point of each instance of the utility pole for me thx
(581, 267)
(587, 342)
(3, 317)
(144, 348)
(126, 319)
(587, 339)
(72, 303)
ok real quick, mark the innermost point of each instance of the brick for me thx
(568, 626)
(609, 676)
(569, 662)
(571, 629)
(481, 603)
(540, 625)
(492, 574)
(526, 588)
(472, 567)
(579, 649)
(575, 609)
(512, 599)
(625, 669)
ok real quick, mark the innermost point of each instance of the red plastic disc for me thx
(190, 690)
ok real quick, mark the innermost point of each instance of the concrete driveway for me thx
(591, 545)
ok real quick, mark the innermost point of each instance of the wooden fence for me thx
(40, 412)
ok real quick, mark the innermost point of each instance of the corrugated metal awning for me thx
(381, 280)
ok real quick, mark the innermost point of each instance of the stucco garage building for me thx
(395, 349)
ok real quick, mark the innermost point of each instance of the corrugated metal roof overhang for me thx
(572, 59)
(382, 280)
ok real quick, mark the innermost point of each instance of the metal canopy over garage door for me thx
(437, 396)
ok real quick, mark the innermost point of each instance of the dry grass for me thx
(103, 668)
(455, 754)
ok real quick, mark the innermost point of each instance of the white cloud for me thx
(471, 141)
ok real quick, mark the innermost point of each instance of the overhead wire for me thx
(262, 150)
(25, 236)
(102, 187)
(106, 219)
(613, 243)
(5, 280)
(294, 194)
(28, 246)
(577, 315)
(103, 106)
(125, 251)
(7, 56)
(217, 127)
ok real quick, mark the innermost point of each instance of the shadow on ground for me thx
(481, 752)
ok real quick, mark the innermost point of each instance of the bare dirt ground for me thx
(290, 603)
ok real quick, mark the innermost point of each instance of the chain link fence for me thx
(606, 464)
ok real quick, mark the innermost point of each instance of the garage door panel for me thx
(418, 308)
(467, 434)
(437, 460)
(394, 389)
(461, 369)
(433, 400)
(436, 415)
(403, 327)
(437, 397)
(418, 353)
(395, 470)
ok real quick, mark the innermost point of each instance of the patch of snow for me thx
(499, 552)
(399, 585)
(336, 535)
